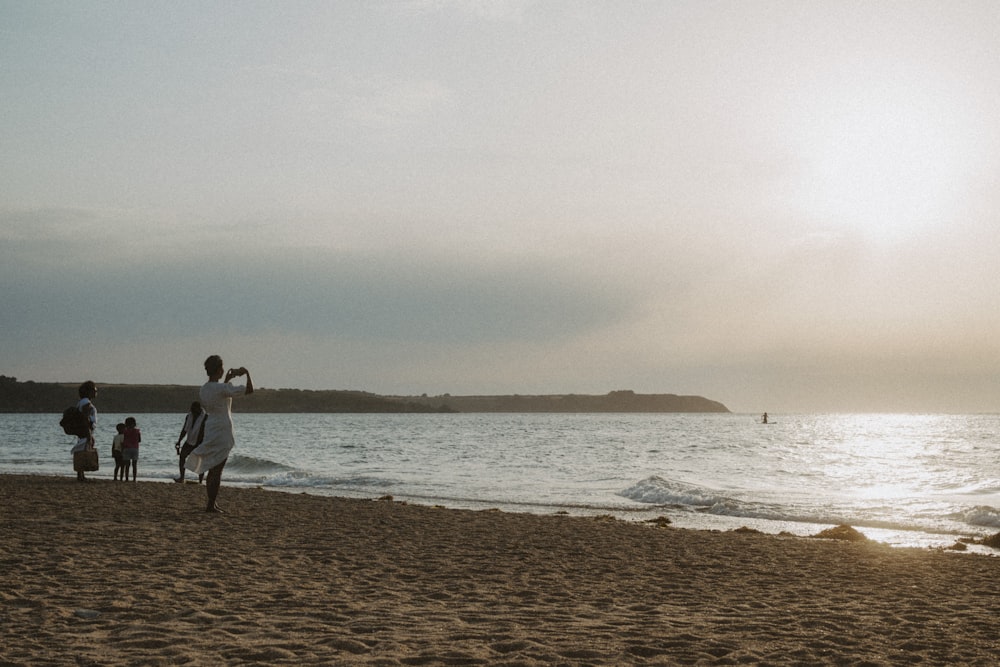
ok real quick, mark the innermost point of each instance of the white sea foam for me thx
(988, 517)
(658, 491)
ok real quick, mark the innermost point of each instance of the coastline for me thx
(112, 573)
(35, 397)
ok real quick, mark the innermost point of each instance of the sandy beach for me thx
(112, 573)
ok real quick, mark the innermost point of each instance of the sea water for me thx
(902, 479)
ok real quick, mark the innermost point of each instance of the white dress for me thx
(216, 400)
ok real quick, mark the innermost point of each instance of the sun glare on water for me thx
(878, 458)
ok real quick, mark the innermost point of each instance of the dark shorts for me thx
(130, 454)
(117, 456)
(187, 449)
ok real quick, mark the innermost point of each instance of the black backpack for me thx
(75, 422)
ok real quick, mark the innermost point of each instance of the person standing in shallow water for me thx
(193, 423)
(87, 392)
(117, 445)
(130, 448)
(217, 399)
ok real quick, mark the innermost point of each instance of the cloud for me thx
(374, 298)
(487, 10)
(314, 100)
(499, 196)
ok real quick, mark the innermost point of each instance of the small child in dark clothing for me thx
(130, 448)
(116, 451)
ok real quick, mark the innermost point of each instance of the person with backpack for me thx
(85, 437)
(194, 429)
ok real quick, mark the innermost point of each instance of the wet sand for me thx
(122, 573)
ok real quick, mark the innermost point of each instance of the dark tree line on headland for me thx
(145, 399)
(54, 397)
(615, 401)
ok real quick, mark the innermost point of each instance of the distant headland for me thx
(615, 401)
(39, 397)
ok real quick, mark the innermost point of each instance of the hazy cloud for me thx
(778, 205)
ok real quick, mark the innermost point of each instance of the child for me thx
(194, 429)
(116, 451)
(130, 448)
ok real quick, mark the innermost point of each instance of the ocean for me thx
(901, 479)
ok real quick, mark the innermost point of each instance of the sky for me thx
(780, 205)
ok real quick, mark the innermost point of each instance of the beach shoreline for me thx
(125, 573)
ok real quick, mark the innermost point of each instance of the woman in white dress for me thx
(216, 400)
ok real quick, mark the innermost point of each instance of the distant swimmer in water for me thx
(763, 419)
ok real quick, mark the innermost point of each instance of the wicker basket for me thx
(86, 461)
